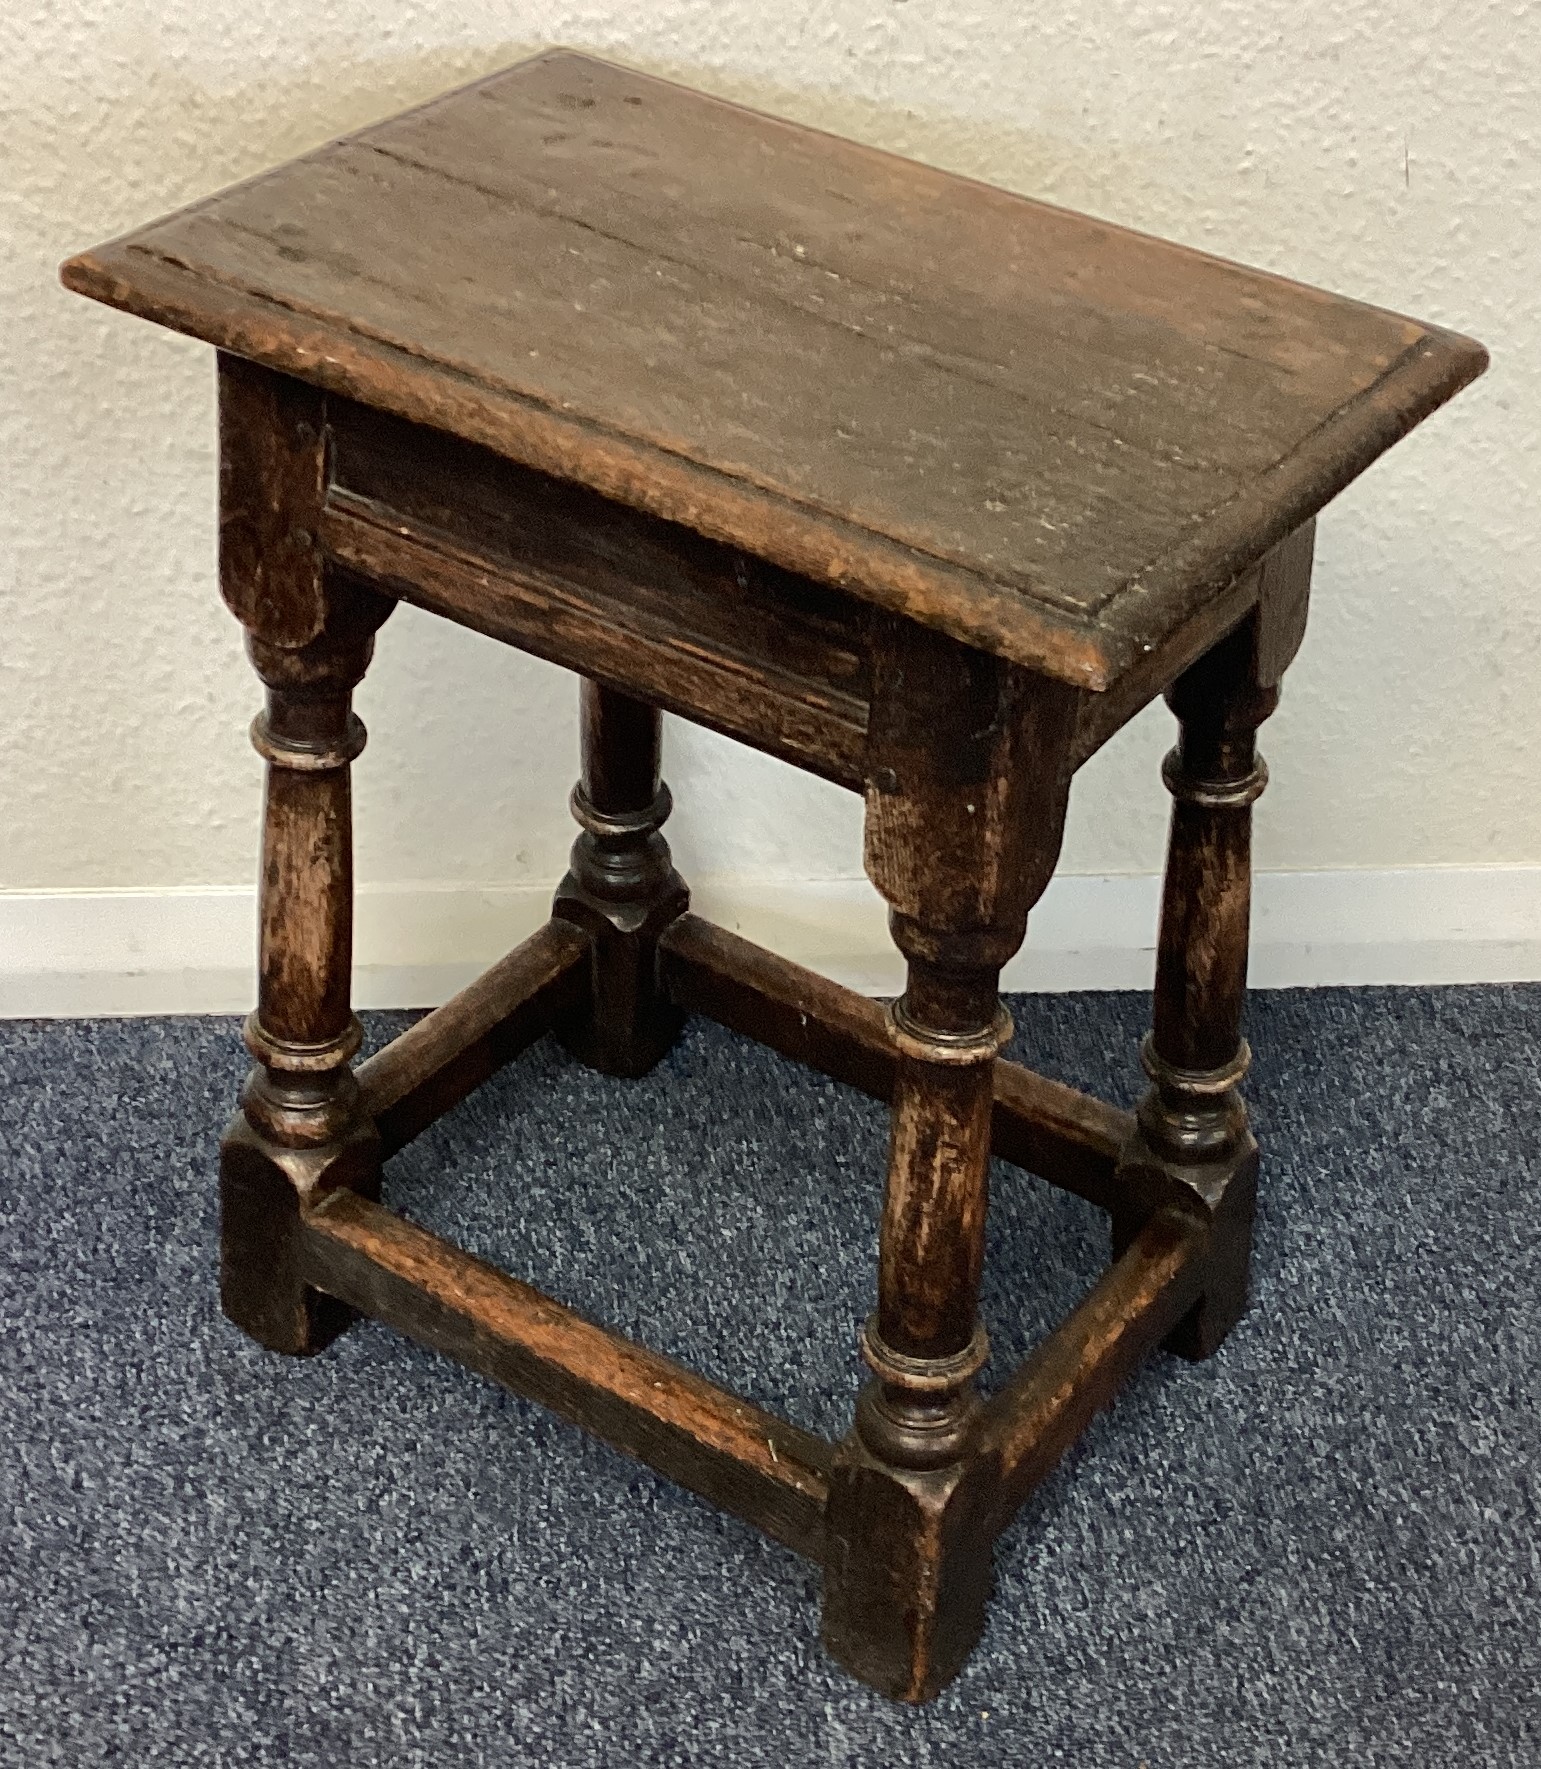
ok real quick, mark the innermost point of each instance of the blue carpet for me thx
(1320, 1548)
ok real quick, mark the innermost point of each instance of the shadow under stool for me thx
(912, 483)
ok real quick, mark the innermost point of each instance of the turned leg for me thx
(310, 632)
(909, 1569)
(1192, 1144)
(964, 813)
(621, 886)
(300, 1133)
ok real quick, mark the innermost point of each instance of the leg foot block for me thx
(264, 1190)
(1226, 1196)
(628, 1024)
(908, 1572)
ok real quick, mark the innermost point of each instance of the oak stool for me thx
(920, 486)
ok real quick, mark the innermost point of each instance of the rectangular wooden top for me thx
(1050, 437)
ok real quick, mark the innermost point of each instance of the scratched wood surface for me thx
(751, 1463)
(1046, 435)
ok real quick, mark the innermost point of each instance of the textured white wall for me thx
(1385, 150)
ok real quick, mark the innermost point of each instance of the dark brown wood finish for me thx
(301, 1132)
(914, 484)
(1064, 1136)
(691, 625)
(1191, 1141)
(968, 772)
(1050, 437)
(1024, 1430)
(718, 1445)
(621, 888)
(419, 1076)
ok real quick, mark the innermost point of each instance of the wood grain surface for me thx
(1049, 1129)
(416, 1078)
(916, 484)
(751, 1463)
(1048, 436)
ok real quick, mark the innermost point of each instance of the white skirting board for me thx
(79, 953)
